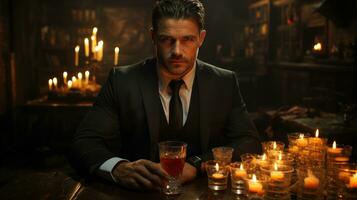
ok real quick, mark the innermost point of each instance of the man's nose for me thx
(177, 48)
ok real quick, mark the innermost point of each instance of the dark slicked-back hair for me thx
(178, 9)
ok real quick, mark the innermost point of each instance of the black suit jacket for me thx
(124, 120)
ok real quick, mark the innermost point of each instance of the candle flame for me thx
(334, 145)
(241, 166)
(54, 80)
(318, 47)
(65, 74)
(95, 30)
(217, 167)
(254, 178)
(317, 133)
(77, 48)
(116, 50)
(264, 157)
(355, 175)
(301, 136)
(100, 43)
(86, 41)
(275, 166)
(274, 145)
(69, 84)
(86, 73)
(80, 75)
(280, 156)
(74, 79)
(50, 82)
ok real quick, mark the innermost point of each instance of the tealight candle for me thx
(240, 173)
(334, 149)
(316, 140)
(217, 174)
(311, 181)
(301, 141)
(276, 175)
(255, 186)
(353, 181)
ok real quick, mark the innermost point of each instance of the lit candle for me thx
(96, 54)
(74, 81)
(76, 55)
(316, 140)
(274, 145)
(80, 76)
(50, 85)
(240, 173)
(353, 181)
(65, 74)
(217, 175)
(69, 84)
(334, 149)
(116, 56)
(311, 181)
(276, 175)
(93, 42)
(100, 50)
(55, 81)
(86, 76)
(86, 47)
(255, 186)
(301, 141)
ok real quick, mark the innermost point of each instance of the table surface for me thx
(59, 185)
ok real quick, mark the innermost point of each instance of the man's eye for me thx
(166, 40)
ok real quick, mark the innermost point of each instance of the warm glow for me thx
(76, 49)
(65, 74)
(100, 43)
(86, 47)
(116, 50)
(217, 167)
(86, 73)
(80, 76)
(301, 136)
(50, 84)
(69, 84)
(254, 178)
(95, 30)
(334, 145)
(241, 166)
(280, 156)
(318, 47)
(355, 175)
(275, 166)
(317, 133)
(264, 157)
(55, 81)
(274, 145)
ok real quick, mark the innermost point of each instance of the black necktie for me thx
(175, 115)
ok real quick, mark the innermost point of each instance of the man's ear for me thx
(202, 37)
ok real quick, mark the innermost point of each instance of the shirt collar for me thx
(187, 79)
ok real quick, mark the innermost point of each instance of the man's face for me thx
(176, 43)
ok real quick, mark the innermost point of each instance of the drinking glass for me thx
(172, 160)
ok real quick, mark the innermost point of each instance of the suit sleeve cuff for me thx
(105, 170)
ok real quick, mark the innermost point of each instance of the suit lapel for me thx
(151, 99)
(204, 92)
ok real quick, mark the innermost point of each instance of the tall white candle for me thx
(100, 50)
(86, 47)
(116, 55)
(76, 56)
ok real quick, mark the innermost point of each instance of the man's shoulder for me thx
(214, 70)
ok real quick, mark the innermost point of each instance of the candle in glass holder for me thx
(353, 181)
(334, 149)
(316, 140)
(311, 181)
(255, 186)
(301, 141)
(276, 175)
(240, 173)
(217, 175)
(65, 74)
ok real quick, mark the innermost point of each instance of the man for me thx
(173, 96)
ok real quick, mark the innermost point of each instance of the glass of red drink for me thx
(172, 160)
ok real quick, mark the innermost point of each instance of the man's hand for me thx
(188, 174)
(141, 174)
